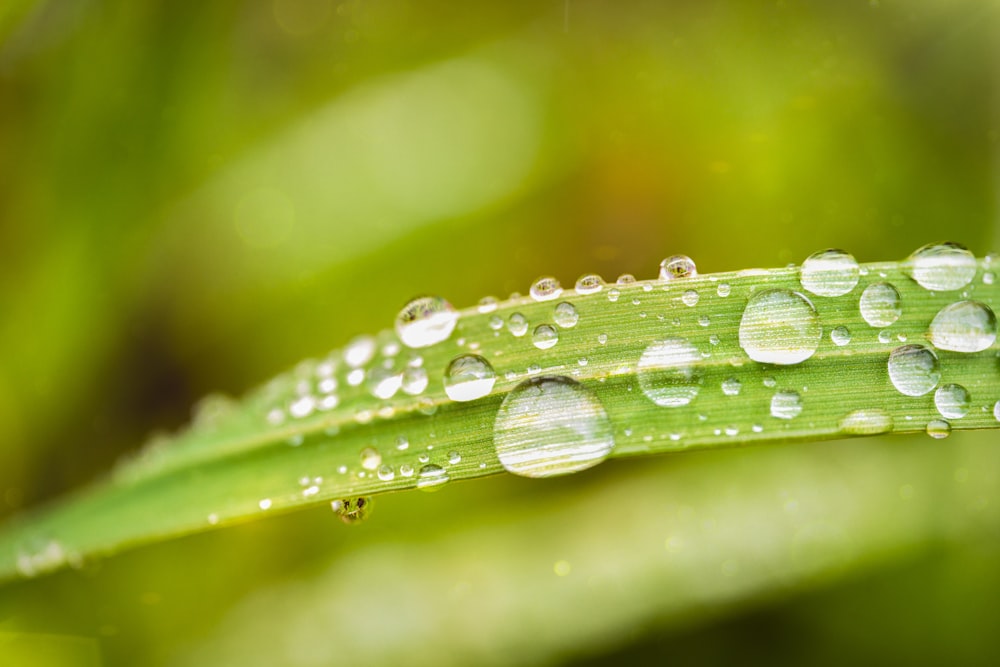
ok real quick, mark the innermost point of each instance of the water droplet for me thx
(431, 477)
(468, 377)
(880, 305)
(731, 387)
(302, 407)
(551, 425)
(779, 327)
(566, 315)
(414, 380)
(884, 337)
(602, 339)
(914, 370)
(386, 473)
(402, 443)
(589, 284)
(989, 278)
(669, 372)
(942, 267)
(359, 351)
(545, 289)
(996, 411)
(454, 458)
(406, 470)
(425, 321)
(952, 401)
(677, 266)
(723, 289)
(786, 404)
(938, 428)
(866, 422)
(689, 298)
(370, 458)
(545, 336)
(840, 336)
(517, 324)
(613, 294)
(487, 304)
(965, 326)
(625, 279)
(352, 510)
(384, 382)
(829, 273)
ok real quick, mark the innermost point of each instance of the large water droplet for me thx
(545, 336)
(942, 267)
(880, 305)
(359, 351)
(966, 326)
(468, 377)
(589, 284)
(786, 404)
(779, 327)
(669, 372)
(425, 321)
(566, 315)
(352, 510)
(551, 425)
(866, 422)
(914, 370)
(677, 266)
(952, 401)
(830, 273)
(545, 289)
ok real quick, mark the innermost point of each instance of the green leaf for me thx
(656, 366)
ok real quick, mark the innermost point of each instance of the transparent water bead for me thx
(840, 336)
(786, 404)
(942, 267)
(677, 266)
(352, 510)
(469, 377)
(370, 458)
(544, 336)
(359, 351)
(431, 477)
(669, 372)
(589, 284)
(565, 315)
(690, 298)
(952, 401)
(551, 425)
(731, 387)
(965, 326)
(830, 273)
(517, 324)
(384, 382)
(425, 321)
(779, 327)
(914, 370)
(938, 428)
(996, 411)
(880, 305)
(866, 422)
(545, 289)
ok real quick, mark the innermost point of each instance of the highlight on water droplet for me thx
(544, 336)
(565, 315)
(830, 273)
(941, 267)
(677, 266)
(669, 372)
(352, 510)
(952, 401)
(551, 425)
(589, 284)
(914, 370)
(468, 377)
(359, 351)
(425, 321)
(964, 326)
(866, 422)
(786, 404)
(431, 477)
(545, 289)
(370, 458)
(779, 327)
(880, 305)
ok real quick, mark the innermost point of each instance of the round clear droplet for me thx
(565, 315)
(840, 336)
(425, 321)
(731, 387)
(370, 458)
(690, 298)
(880, 305)
(830, 273)
(677, 266)
(914, 370)
(517, 324)
(469, 377)
(551, 425)
(965, 326)
(669, 372)
(952, 401)
(544, 336)
(866, 422)
(779, 327)
(786, 404)
(589, 284)
(545, 289)
(431, 477)
(942, 267)
(938, 429)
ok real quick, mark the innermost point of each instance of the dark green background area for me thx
(194, 196)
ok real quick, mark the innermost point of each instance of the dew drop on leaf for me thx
(880, 305)
(965, 326)
(589, 284)
(544, 336)
(425, 321)
(952, 401)
(565, 315)
(938, 428)
(352, 510)
(829, 273)
(677, 266)
(914, 370)
(786, 404)
(779, 327)
(941, 267)
(669, 372)
(545, 289)
(469, 377)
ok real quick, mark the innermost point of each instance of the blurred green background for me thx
(195, 196)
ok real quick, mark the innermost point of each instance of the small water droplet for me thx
(723, 289)
(914, 370)
(625, 279)
(487, 304)
(996, 411)
(884, 337)
(613, 294)
(840, 336)
(989, 278)
(965, 326)
(386, 473)
(938, 429)
(565, 315)
(551, 425)
(880, 305)
(866, 422)
(454, 458)
(677, 266)
(689, 298)
(302, 407)
(414, 380)
(545, 289)
(952, 401)
(769, 381)
(602, 338)
(829, 273)
(352, 510)
(517, 324)
(704, 321)
(942, 267)
(402, 443)
(359, 351)
(779, 327)
(731, 387)
(786, 404)
(431, 477)
(406, 470)
(589, 284)
(545, 336)
(425, 321)
(384, 382)
(469, 377)
(669, 372)
(370, 458)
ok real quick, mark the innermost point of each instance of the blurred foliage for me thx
(192, 198)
